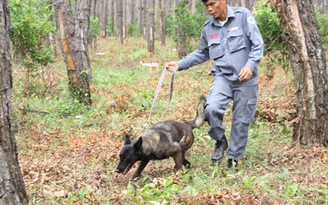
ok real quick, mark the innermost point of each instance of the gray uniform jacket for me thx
(236, 44)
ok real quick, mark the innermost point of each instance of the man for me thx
(233, 41)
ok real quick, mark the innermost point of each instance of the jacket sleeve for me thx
(196, 57)
(255, 37)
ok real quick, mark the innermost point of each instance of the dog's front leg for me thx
(141, 167)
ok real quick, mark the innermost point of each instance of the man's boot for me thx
(230, 164)
(220, 147)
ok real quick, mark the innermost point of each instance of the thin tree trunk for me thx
(144, 19)
(157, 13)
(309, 68)
(170, 7)
(103, 20)
(194, 4)
(123, 18)
(93, 38)
(51, 41)
(151, 26)
(182, 38)
(99, 7)
(162, 24)
(120, 20)
(93, 8)
(12, 186)
(132, 11)
(73, 35)
(112, 17)
(140, 16)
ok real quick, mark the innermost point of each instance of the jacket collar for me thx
(230, 14)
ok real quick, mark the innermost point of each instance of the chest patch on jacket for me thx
(214, 35)
(233, 29)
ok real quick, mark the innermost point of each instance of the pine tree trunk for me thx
(93, 8)
(181, 35)
(99, 7)
(151, 25)
(157, 13)
(162, 24)
(140, 11)
(103, 20)
(309, 68)
(144, 18)
(12, 187)
(124, 18)
(112, 8)
(194, 4)
(120, 20)
(73, 36)
(132, 11)
(92, 39)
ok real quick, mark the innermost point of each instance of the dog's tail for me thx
(200, 116)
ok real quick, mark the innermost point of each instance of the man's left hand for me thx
(245, 74)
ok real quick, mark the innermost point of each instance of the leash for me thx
(171, 94)
(159, 85)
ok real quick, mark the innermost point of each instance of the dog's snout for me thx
(117, 170)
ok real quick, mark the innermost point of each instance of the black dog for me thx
(161, 141)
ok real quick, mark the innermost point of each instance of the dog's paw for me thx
(186, 163)
(177, 167)
(136, 177)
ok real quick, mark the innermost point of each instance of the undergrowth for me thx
(68, 153)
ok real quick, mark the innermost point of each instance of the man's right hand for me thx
(172, 67)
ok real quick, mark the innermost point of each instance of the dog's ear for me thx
(138, 144)
(127, 140)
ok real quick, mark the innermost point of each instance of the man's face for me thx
(217, 8)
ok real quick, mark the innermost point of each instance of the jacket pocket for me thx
(236, 41)
(250, 110)
(215, 48)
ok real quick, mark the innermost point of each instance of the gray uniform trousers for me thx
(244, 107)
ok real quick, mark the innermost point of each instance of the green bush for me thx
(272, 33)
(31, 24)
(323, 25)
(94, 30)
(270, 27)
(190, 23)
(134, 30)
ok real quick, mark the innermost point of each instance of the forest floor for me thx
(69, 155)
